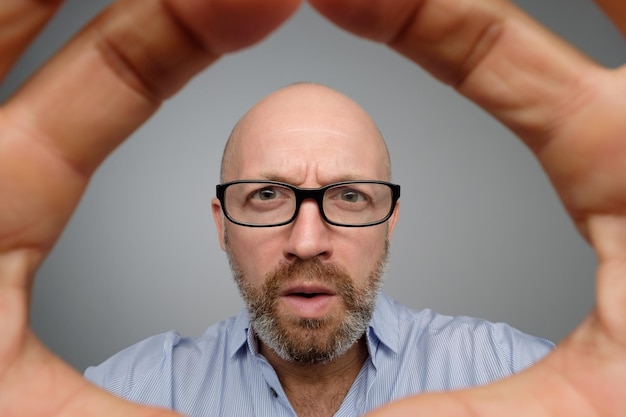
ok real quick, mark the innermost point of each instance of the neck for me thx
(318, 389)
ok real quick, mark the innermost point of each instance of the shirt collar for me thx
(239, 332)
(383, 328)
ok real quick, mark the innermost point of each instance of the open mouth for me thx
(307, 290)
(306, 294)
(312, 301)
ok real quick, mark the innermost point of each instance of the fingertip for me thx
(378, 20)
(228, 25)
(347, 14)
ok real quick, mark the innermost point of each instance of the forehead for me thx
(308, 136)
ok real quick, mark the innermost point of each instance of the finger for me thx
(20, 21)
(128, 60)
(488, 49)
(616, 11)
(115, 74)
(608, 236)
(98, 89)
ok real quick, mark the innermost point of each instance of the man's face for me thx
(310, 287)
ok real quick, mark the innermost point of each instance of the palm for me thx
(566, 109)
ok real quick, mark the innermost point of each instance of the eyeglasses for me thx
(271, 203)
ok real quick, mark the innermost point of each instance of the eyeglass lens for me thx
(269, 204)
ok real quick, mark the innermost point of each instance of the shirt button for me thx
(274, 393)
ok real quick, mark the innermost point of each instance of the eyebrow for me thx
(274, 176)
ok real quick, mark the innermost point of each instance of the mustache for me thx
(309, 270)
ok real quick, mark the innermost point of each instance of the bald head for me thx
(299, 120)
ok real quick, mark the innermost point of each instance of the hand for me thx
(56, 130)
(570, 113)
(535, 84)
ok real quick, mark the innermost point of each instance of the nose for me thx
(309, 234)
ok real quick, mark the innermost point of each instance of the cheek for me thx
(363, 252)
(254, 253)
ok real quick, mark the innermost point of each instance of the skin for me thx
(113, 76)
(309, 136)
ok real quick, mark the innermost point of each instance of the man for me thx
(57, 129)
(309, 268)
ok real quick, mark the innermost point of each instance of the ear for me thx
(218, 217)
(392, 220)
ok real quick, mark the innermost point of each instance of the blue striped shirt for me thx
(221, 372)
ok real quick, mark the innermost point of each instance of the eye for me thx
(267, 193)
(351, 196)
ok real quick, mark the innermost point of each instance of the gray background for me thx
(481, 232)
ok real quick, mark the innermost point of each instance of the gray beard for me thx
(310, 341)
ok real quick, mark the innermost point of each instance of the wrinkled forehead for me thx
(307, 134)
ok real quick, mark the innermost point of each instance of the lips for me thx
(308, 300)
(307, 290)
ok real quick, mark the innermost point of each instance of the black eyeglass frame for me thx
(302, 194)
